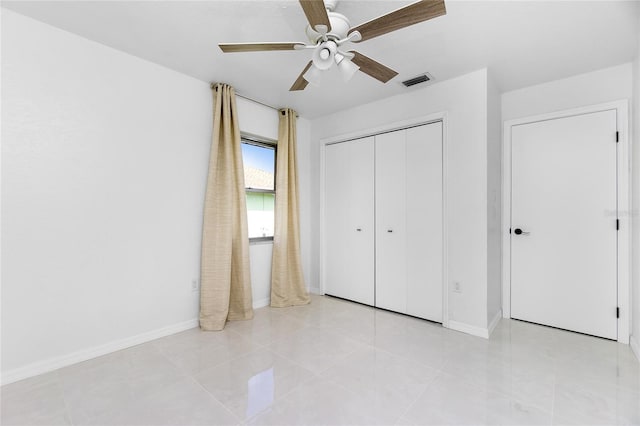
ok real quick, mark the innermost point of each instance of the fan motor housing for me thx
(340, 26)
(330, 5)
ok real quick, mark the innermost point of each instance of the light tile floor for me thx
(335, 362)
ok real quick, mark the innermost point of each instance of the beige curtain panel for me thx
(287, 281)
(225, 281)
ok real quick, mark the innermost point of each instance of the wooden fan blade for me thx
(316, 14)
(257, 47)
(412, 14)
(301, 83)
(373, 68)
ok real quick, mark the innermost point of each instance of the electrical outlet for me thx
(456, 287)
(194, 285)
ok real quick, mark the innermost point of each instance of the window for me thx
(259, 160)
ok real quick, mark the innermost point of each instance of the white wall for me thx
(104, 163)
(314, 210)
(465, 101)
(494, 204)
(103, 171)
(307, 197)
(606, 85)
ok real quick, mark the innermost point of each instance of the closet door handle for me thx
(359, 229)
(389, 230)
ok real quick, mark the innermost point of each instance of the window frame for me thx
(269, 144)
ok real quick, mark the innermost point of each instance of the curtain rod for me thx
(253, 100)
(258, 102)
(261, 103)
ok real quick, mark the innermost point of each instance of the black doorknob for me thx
(519, 231)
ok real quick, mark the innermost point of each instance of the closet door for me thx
(424, 202)
(360, 256)
(349, 220)
(391, 235)
(409, 249)
(335, 225)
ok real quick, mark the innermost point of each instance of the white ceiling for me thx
(522, 42)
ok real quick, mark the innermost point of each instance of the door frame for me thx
(623, 158)
(385, 128)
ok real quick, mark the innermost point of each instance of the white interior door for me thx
(424, 221)
(391, 235)
(349, 220)
(563, 222)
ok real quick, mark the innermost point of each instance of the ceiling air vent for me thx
(417, 80)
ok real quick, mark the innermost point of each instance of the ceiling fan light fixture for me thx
(313, 75)
(328, 30)
(324, 54)
(347, 69)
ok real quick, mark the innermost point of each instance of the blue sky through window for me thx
(258, 157)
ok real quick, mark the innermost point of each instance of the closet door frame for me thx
(390, 127)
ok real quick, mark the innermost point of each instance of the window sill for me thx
(258, 241)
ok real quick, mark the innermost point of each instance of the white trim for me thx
(624, 235)
(316, 290)
(469, 329)
(635, 348)
(494, 322)
(322, 226)
(385, 128)
(261, 303)
(51, 364)
(624, 205)
(506, 220)
(398, 125)
(445, 220)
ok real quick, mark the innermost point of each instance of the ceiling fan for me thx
(329, 32)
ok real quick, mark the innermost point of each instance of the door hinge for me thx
(509, 230)
(617, 224)
(617, 312)
(617, 136)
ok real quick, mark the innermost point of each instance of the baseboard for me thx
(494, 322)
(48, 365)
(261, 303)
(635, 347)
(469, 329)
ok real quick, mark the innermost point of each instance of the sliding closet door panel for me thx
(360, 231)
(391, 266)
(349, 222)
(336, 205)
(383, 221)
(424, 221)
